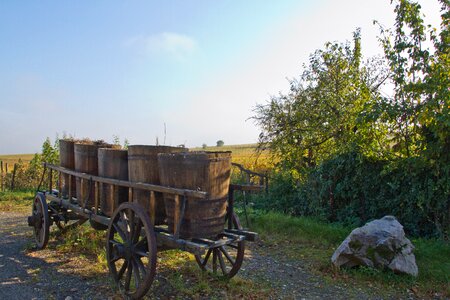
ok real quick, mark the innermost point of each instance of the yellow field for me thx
(11, 159)
(244, 154)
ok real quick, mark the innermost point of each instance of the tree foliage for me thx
(319, 117)
(351, 150)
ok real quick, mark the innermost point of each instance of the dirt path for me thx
(28, 274)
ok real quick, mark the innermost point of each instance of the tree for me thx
(418, 113)
(204, 146)
(319, 117)
(220, 143)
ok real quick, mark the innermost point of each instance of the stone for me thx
(378, 244)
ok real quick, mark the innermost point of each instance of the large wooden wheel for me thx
(225, 261)
(40, 221)
(131, 250)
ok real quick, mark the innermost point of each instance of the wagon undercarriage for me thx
(133, 238)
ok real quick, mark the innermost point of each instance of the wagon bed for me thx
(132, 237)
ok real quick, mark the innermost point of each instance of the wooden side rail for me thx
(134, 185)
(180, 194)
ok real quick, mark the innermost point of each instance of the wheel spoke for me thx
(137, 231)
(116, 243)
(116, 255)
(227, 255)
(120, 232)
(136, 274)
(214, 261)
(128, 276)
(141, 266)
(205, 261)
(125, 220)
(141, 243)
(122, 270)
(131, 225)
(141, 253)
(222, 263)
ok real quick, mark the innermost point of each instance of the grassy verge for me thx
(18, 201)
(314, 242)
(302, 239)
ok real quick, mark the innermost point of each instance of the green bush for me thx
(352, 189)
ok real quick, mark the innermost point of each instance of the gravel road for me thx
(29, 274)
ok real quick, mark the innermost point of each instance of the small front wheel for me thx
(131, 250)
(225, 260)
(40, 221)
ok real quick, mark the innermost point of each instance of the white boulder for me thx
(380, 244)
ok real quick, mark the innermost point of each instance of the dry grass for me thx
(247, 156)
(11, 159)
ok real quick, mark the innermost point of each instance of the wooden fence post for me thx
(13, 177)
(1, 175)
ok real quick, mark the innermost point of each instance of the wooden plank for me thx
(115, 195)
(249, 235)
(59, 184)
(246, 187)
(152, 209)
(130, 194)
(70, 187)
(176, 217)
(167, 240)
(96, 196)
(82, 196)
(135, 185)
(79, 210)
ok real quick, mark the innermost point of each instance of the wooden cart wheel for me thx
(131, 250)
(40, 221)
(226, 260)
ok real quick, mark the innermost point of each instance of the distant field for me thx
(244, 154)
(11, 159)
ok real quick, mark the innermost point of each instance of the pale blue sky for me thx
(102, 68)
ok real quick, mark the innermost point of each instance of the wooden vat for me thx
(203, 171)
(86, 161)
(67, 160)
(112, 163)
(143, 167)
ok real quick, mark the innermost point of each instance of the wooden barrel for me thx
(112, 163)
(86, 161)
(67, 160)
(143, 167)
(202, 171)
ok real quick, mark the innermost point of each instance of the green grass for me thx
(308, 240)
(314, 242)
(16, 201)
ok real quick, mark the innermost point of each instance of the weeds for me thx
(314, 241)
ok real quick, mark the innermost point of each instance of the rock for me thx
(68, 298)
(380, 244)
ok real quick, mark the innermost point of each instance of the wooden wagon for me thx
(133, 238)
